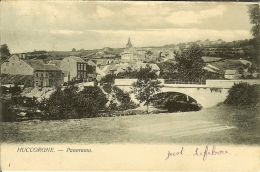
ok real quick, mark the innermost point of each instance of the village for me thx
(90, 66)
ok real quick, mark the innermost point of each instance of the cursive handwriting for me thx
(175, 153)
(208, 151)
(204, 153)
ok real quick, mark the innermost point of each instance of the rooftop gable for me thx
(231, 72)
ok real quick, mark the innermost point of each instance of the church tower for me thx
(129, 45)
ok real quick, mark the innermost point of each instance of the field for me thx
(219, 125)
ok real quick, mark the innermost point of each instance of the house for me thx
(140, 65)
(48, 76)
(14, 65)
(43, 75)
(232, 74)
(77, 68)
(132, 54)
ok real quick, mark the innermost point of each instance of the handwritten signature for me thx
(204, 153)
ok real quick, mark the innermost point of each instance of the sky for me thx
(60, 26)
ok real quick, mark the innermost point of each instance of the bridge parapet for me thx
(229, 83)
(209, 83)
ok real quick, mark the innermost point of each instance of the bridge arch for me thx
(206, 97)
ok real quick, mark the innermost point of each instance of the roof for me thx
(129, 42)
(78, 59)
(231, 72)
(55, 62)
(91, 63)
(143, 65)
(35, 64)
(51, 67)
(39, 65)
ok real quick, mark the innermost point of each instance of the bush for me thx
(108, 79)
(244, 94)
(107, 88)
(8, 114)
(70, 103)
(124, 98)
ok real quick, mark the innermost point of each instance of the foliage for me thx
(124, 98)
(108, 79)
(244, 94)
(70, 103)
(90, 101)
(254, 14)
(146, 72)
(8, 114)
(190, 64)
(254, 48)
(42, 56)
(107, 88)
(12, 90)
(145, 90)
(4, 52)
(127, 74)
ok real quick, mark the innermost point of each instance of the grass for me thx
(119, 129)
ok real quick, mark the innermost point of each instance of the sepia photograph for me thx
(81, 77)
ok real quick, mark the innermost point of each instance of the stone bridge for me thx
(207, 94)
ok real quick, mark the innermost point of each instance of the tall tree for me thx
(4, 52)
(146, 87)
(254, 14)
(190, 64)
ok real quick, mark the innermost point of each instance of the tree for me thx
(146, 72)
(73, 49)
(243, 94)
(4, 52)
(110, 79)
(147, 86)
(254, 14)
(90, 101)
(190, 64)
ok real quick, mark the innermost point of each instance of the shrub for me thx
(124, 98)
(107, 88)
(70, 103)
(8, 114)
(244, 94)
(108, 79)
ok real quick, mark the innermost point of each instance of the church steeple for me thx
(129, 45)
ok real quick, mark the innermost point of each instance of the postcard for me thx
(130, 86)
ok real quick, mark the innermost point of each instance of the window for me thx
(78, 66)
(85, 66)
(85, 75)
(41, 74)
(78, 76)
(36, 83)
(46, 74)
(36, 75)
(81, 66)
